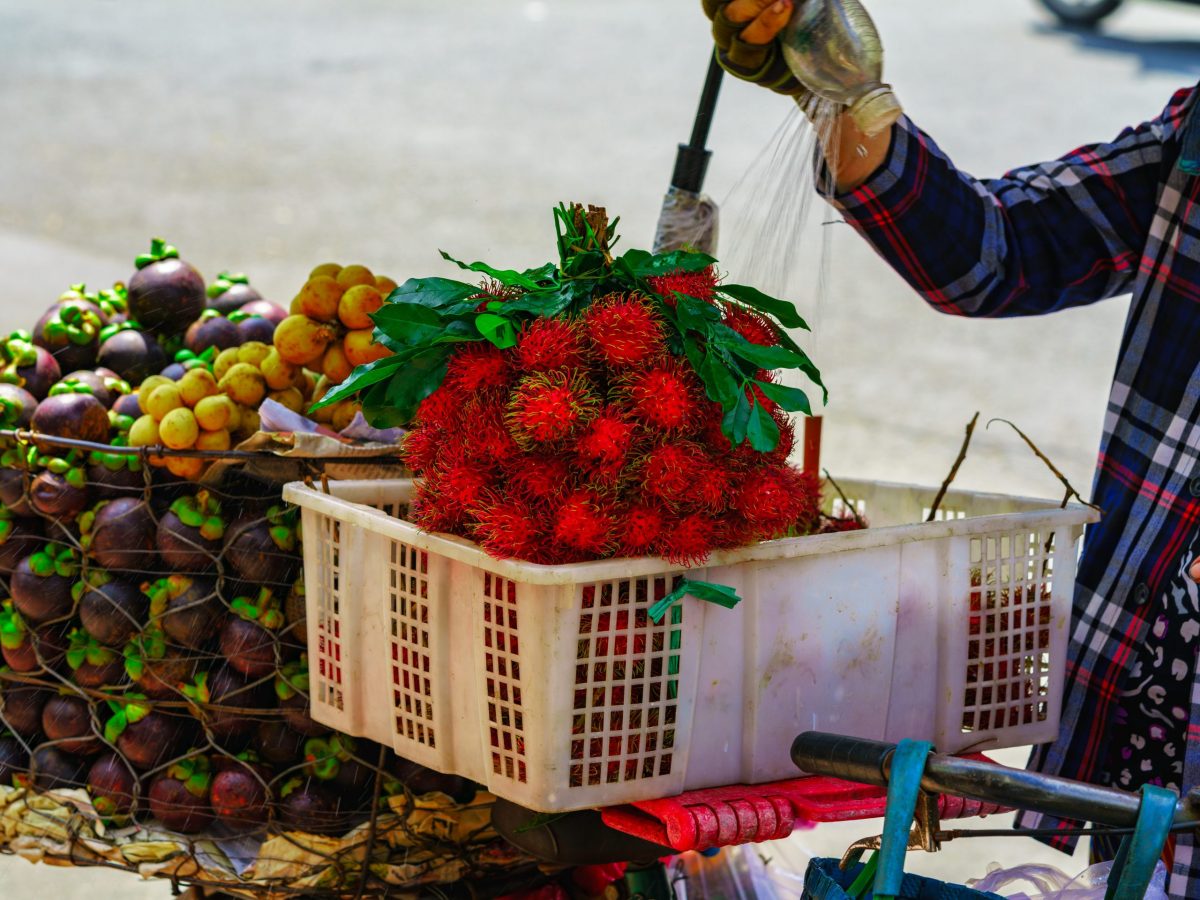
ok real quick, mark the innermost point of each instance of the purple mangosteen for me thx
(165, 293)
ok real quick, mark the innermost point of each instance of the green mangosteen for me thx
(188, 608)
(179, 797)
(112, 785)
(190, 534)
(68, 720)
(130, 352)
(119, 535)
(266, 549)
(165, 294)
(51, 769)
(41, 583)
(231, 291)
(27, 365)
(112, 610)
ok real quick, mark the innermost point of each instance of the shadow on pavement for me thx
(1152, 54)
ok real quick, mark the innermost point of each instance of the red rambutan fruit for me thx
(509, 527)
(550, 406)
(689, 540)
(584, 521)
(539, 476)
(487, 440)
(778, 499)
(420, 448)
(665, 397)
(700, 285)
(429, 511)
(479, 366)
(463, 487)
(835, 524)
(749, 325)
(605, 443)
(548, 345)
(625, 330)
(670, 471)
(639, 528)
(442, 409)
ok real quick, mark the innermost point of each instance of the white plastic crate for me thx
(551, 686)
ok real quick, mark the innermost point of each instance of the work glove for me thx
(759, 63)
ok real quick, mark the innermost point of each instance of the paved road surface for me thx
(272, 135)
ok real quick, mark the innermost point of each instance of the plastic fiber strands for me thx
(568, 687)
(154, 710)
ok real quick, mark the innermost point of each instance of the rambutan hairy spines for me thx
(607, 440)
(549, 407)
(539, 476)
(625, 331)
(666, 397)
(548, 345)
(462, 487)
(689, 540)
(509, 527)
(584, 521)
(479, 366)
(429, 511)
(749, 324)
(778, 500)
(640, 528)
(670, 471)
(443, 409)
(488, 440)
(420, 448)
(701, 285)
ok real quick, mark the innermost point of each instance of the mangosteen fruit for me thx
(17, 406)
(28, 366)
(272, 312)
(127, 405)
(59, 497)
(295, 612)
(248, 640)
(188, 609)
(149, 739)
(338, 761)
(112, 785)
(308, 806)
(224, 696)
(19, 538)
(190, 534)
(113, 303)
(231, 291)
(291, 689)
(165, 293)
(421, 780)
(240, 798)
(70, 330)
(265, 550)
(14, 493)
(277, 743)
(14, 760)
(113, 610)
(21, 708)
(93, 664)
(26, 648)
(51, 769)
(179, 797)
(106, 390)
(119, 535)
(41, 583)
(159, 671)
(68, 414)
(68, 721)
(131, 353)
(115, 474)
(253, 328)
(211, 330)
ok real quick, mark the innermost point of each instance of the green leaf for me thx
(762, 429)
(362, 377)
(641, 264)
(435, 293)
(497, 329)
(720, 594)
(695, 314)
(782, 310)
(395, 403)
(547, 302)
(722, 386)
(790, 398)
(737, 420)
(509, 277)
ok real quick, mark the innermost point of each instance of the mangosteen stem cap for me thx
(159, 250)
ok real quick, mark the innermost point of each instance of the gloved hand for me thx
(744, 32)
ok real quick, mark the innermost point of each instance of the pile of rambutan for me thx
(593, 431)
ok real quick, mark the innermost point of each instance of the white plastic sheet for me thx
(1048, 883)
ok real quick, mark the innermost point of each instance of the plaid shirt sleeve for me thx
(1039, 239)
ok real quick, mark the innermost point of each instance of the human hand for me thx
(745, 33)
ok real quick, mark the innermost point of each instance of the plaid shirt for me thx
(1102, 221)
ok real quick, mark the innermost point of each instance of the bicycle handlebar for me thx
(868, 762)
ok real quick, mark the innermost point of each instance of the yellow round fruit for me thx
(147, 388)
(214, 440)
(352, 275)
(250, 422)
(294, 308)
(253, 352)
(179, 429)
(307, 382)
(384, 284)
(163, 399)
(290, 398)
(213, 413)
(244, 384)
(360, 347)
(144, 432)
(343, 414)
(330, 269)
(189, 467)
(301, 340)
(197, 384)
(357, 304)
(319, 298)
(279, 373)
(334, 364)
(225, 361)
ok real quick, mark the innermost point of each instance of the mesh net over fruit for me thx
(154, 707)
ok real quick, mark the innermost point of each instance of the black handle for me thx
(838, 756)
(691, 163)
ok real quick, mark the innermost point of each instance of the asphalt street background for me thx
(270, 136)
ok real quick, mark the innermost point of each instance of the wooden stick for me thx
(1042, 456)
(962, 454)
(846, 500)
